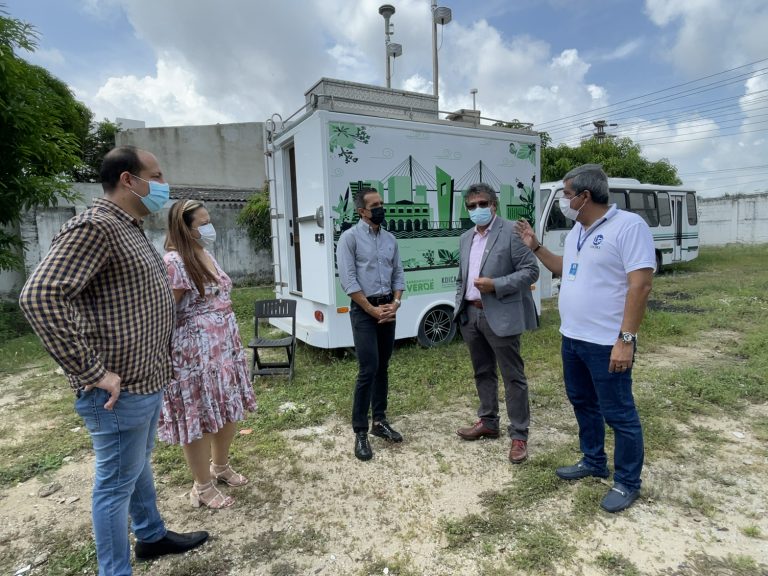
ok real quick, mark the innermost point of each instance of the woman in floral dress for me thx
(211, 388)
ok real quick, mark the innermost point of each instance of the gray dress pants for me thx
(486, 350)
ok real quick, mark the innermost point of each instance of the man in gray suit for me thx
(494, 305)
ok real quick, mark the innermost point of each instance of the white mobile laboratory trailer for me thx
(670, 212)
(355, 135)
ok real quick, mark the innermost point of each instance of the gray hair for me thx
(482, 188)
(361, 194)
(589, 177)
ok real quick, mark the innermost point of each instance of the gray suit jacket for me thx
(512, 266)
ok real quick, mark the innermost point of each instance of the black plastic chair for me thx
(263, 311)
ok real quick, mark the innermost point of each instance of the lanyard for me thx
(580, 243)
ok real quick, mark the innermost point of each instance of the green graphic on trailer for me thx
(427, 232)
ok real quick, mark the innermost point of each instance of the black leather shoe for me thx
(171, 543)
(384, 430)
(362, 447)
(580, 470)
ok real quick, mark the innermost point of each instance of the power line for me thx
(725, 170)
(676, 141)
(592, 112)
(677, 96)
(732, 185)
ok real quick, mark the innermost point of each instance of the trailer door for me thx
(294, 238)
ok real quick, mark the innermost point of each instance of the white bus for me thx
(670, 211)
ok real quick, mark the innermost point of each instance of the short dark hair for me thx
(483, 188)
(589, 177)
(361, 194)
(116, 161)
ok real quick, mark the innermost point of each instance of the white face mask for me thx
(565, 208)
(207, 235)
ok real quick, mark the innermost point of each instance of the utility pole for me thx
(600, 134)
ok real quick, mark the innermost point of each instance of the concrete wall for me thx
(221, 155)
(733, 219)
(233, 248)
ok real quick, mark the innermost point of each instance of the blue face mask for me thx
(481, 216)
(157, 197)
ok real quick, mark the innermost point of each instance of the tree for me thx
(255, 218)
(43, 129)
(620, 158)
(99, 140)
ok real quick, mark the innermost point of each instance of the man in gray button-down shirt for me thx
(371, 274)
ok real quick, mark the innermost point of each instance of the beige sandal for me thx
(224, 473)
(208, 495)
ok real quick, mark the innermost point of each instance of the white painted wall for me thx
(233, 250)
(733, 219)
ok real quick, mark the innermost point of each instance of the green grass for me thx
(717, 303)
(616, 565)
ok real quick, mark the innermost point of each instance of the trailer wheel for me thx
(658, 262)
(437, 327)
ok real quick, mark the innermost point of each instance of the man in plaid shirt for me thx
(102, 306)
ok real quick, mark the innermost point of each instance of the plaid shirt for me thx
(100, 301)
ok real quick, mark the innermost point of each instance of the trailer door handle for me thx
(291, 237)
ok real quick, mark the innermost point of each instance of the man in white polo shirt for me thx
(607, 271)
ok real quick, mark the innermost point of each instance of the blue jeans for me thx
(374, 343)
(123, 439)
(600, 397)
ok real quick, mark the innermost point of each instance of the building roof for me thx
(210, 194)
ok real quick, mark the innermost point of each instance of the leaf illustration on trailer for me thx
(448, 257)
(523, 151)
(343, 136)
(528, 200)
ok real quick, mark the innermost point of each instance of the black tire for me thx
(437, 327)
(658, 262)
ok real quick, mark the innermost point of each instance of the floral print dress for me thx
(210, 384)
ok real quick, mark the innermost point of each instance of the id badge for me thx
(572, 271)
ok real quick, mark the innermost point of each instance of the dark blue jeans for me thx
(599, 397)
(373, 345)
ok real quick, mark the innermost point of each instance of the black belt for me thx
(379, 300)
(475, 303)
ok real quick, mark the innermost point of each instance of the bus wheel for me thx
(658, 262)
(437, 327)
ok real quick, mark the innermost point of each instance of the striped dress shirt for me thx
(100, 301)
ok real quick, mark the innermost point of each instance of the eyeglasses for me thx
(480, 204)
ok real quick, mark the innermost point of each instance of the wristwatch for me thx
(397, 301)
(628, 337)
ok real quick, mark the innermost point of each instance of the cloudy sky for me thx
(687, 79)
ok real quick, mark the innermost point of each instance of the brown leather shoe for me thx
(476, 431)
(518, 451)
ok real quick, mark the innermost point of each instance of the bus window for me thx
(665, 212)
(556, 219)
(644, 204)
(618, 197)
(690, 205)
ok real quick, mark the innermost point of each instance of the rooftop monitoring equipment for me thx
(440, 15)
(391, 49)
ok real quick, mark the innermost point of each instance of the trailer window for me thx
(644, 204)
(618, 197)
(690, 205)
(665, 211)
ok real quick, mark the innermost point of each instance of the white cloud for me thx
(170, 98)
(625, 50)
(711, 35)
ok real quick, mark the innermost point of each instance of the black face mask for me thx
(377, 215)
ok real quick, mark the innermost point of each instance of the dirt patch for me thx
(319, 511)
